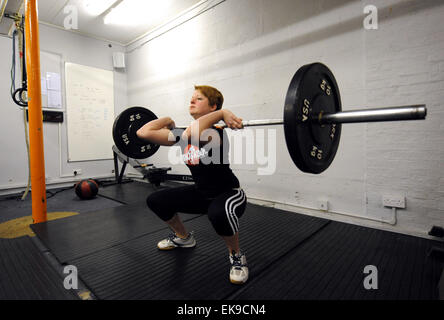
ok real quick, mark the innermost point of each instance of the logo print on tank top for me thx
(192, 155)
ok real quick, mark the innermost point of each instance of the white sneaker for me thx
(173, 241)
(239, 268)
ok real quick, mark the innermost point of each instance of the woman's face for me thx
(199, 105)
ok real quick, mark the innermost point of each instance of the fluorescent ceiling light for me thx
(136, 12)
(97, 7)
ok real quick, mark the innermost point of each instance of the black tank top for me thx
(208, 162)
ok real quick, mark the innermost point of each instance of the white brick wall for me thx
(407, 158)
(250, 50)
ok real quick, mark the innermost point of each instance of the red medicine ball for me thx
(86, 189)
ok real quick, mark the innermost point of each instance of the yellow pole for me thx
(38, 184)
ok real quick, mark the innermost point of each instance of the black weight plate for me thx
(313, 90)
(124, 133)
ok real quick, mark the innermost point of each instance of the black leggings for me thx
(223, 211)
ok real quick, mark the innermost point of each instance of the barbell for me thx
(312, 120)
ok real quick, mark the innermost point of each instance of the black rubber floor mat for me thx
(79, 235)
(25, 274)
(133, 193)
(138, 270)
(331, 267)
(65, 200)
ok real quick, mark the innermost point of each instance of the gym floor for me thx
(111, 240)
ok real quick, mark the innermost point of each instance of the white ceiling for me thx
(51, 12)
(12, 6)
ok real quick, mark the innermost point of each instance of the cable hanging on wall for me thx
(20, 95)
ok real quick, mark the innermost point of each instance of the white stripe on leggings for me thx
(233, 215)
(228, 203)
(233, 211)
(236, 200)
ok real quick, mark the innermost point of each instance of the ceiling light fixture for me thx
(136, 12)
(97, 7)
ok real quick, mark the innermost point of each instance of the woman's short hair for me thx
(214, 96)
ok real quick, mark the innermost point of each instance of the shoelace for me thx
(237, 263)
(173, 236)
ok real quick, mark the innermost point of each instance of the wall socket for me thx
(393, 201)
(323, 205)
(77, 172)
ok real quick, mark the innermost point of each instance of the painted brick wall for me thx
(404, 65)
(250, 49)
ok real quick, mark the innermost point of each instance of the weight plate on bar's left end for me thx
(313, 90)
(124, 133)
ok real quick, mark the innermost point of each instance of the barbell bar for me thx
(312, 120)
(400, 113)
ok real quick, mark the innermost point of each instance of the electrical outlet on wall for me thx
(323, 205)
(393, 201)
(77, 172)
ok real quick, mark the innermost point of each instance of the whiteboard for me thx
(89, 112)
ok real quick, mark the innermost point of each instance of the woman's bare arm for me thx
(158, 131)
(208, 120)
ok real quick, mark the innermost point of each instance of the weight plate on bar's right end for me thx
(124, 133)
(312, 91)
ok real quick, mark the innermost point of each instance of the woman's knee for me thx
(159, 205)
(223, 222)
(152, 201)
(226, 210)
